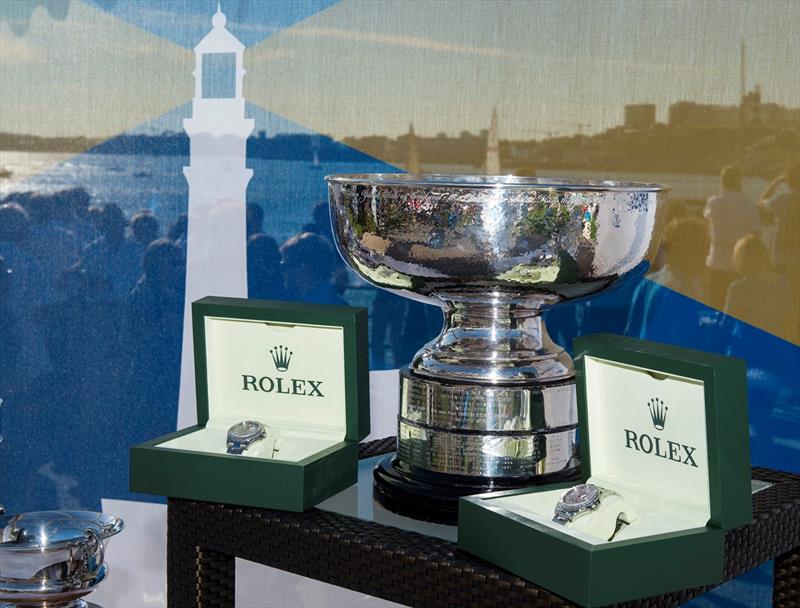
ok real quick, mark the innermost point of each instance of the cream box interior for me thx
(289, 377)
(661, 475)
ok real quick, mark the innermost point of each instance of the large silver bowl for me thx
(492, 397)
(493, 252)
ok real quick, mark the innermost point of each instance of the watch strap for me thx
(235, 447)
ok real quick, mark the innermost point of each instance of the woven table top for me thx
(414, 569)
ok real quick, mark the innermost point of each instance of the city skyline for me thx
(169, 124)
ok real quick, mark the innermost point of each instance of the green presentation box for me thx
(301, 370)
(665, 427)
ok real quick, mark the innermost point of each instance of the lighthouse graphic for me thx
(216, 254)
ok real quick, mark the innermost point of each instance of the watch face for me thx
(580, 497)
(243, 431)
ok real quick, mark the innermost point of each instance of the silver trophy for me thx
(490, 402)
(52, 559)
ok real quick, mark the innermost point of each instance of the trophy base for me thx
(460, 438)
(434, 496)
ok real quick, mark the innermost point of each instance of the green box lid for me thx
(293, 364)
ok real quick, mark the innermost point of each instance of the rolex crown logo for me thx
(281, 356)
(658, 412)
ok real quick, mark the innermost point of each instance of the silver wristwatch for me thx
(579, 500)
(244, 434)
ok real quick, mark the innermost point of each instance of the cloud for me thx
(17, 14)
(19, 51)
(335, 33)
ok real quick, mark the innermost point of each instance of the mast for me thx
(493, 148)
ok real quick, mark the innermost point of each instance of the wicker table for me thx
(418, 570)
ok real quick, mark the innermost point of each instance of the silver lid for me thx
(54, 529)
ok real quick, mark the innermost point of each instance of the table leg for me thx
(196, 577)
(786, 585)
(202, 579)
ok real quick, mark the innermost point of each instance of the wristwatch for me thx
(579, 500)
(244, 434)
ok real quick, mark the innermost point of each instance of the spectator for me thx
(112, 258)
(153, 330)
(265, 278)
(178, 233)
(161, 280)
(320, 221)
(10, 337)
(254, 217)
(685, 245)
(782, 208)
(309, 264)
(179, 230)
(761, 296)
(144, 228)
(78, 220)
(731, 216)
(14, 229)
(25, 292)
(55, 248)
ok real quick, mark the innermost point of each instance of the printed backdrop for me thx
(111, 222)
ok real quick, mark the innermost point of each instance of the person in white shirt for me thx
(731, 216)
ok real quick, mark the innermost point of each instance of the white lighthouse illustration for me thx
(216, 255)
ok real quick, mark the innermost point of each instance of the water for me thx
(287, 190)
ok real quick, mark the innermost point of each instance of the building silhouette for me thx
(640, 116)
(750, 111)
(216, 253)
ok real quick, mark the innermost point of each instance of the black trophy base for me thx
(434, 496)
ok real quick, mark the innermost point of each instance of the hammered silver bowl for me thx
(492, 252)
(52, 559)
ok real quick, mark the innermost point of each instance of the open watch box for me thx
(282, 402)
(665, 472)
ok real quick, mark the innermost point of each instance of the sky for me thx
(101, 67)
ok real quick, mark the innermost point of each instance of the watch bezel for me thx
(587, 503)
(256, 429)
(565, 513)
(239, 442)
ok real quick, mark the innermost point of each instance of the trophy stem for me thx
(500, 341)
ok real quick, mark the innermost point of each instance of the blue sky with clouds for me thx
(365, 67)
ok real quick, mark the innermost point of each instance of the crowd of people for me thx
(92, 307)
(742, 256)
(61, 257)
